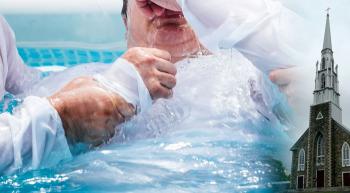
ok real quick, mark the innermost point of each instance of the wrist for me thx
(59, 105)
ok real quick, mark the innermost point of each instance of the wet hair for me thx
(125, 8)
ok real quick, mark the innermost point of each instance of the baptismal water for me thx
(223, 131)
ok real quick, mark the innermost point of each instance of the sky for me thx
(314, 12)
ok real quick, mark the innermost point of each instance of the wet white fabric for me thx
(262, 30)
(15, 76)
(33, 136)
(123, 79)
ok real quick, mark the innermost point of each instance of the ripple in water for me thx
(223, 131)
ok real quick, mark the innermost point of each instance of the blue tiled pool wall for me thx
(37, 57)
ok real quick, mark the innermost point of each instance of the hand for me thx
(88, 112)
(155, 68)
(149, 8)
(153, 8)
(168, 4)
(285, 79)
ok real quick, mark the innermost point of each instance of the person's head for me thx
(169, 32)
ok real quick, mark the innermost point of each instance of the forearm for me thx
(89, 112)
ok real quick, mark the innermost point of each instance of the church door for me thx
(346, 179)
(300, 182)
(320, 179)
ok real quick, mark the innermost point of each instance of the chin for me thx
(180, 50)
(172, 35)
(179, 44)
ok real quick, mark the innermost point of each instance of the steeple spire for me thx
(327, 84)
(327, 42)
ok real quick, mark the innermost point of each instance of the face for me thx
(169, 32)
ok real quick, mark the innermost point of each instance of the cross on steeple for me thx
(328, 9)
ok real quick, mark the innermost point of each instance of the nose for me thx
(169, 12)
(158, 11)
(163, 12)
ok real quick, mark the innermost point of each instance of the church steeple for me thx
(327, 42)
(326, 81)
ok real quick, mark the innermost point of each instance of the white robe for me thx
(33, 136)
(264, 31)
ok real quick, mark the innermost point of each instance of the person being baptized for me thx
(157, 37)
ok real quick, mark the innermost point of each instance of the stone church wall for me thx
(340, 136)
(295, 157)
(334, 136)
(319, 126)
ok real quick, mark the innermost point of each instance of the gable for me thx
(300, 140)
(340, 126)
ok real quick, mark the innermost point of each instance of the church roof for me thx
(342, 126)
(327, 42)
(294, 147)
(339, 125)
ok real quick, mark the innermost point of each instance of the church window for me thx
(319, 116)
(323, 63)
(323, 81)
(345, 155)
(320, 151)
(301, 160)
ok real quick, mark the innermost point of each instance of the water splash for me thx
(219, 133)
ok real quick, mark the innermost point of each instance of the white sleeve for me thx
(262, 30)
(15, 76)
(31, 138)
(123, 79)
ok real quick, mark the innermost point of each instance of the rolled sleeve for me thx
(33, 137)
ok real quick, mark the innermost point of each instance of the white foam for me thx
(52, 68)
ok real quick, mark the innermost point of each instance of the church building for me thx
(321, 156)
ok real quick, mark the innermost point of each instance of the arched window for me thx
(323, 81)
(301, 160)
(345, 154)
(323, 64)
(320, 150)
